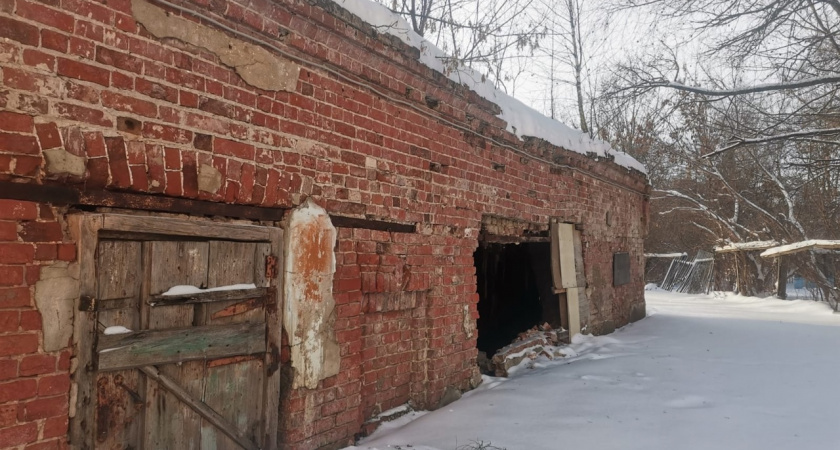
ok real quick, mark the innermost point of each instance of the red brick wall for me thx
(34, 385)
(356, 134)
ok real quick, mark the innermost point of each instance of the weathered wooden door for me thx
(197, 370)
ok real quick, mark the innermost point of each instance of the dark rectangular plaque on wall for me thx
(621, 268)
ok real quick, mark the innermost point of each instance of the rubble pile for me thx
(539, 340)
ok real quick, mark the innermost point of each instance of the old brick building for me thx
(359, 198)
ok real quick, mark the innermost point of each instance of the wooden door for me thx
(197, 370)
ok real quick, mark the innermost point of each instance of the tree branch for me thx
(739, 142)
(808, 82)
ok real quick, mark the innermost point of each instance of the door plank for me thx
(274, 321)
(174, 424)
(124, 351)
(233, 263)
(119, 404)
(199, 407)
(242, 408)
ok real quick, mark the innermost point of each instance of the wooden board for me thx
(241, 407)
(119, 404)
(174, 263)
(171, 346)
(565, 271)
(182, 227)
(207, 297)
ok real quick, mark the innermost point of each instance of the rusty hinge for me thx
(270, 267)
(87, 303)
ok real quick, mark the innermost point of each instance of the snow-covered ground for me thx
(700, 372)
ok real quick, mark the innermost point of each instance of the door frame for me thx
(86, 229)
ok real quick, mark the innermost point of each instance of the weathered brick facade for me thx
(91, 100)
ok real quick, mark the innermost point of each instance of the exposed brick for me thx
(66, 252)
(83, 114)
(53, 384)
(118, 59)
(8, 369)
(156, 90)
(41, 231)
(94, 144)
(21, 434)
(130, 104)
(232, 148)
(16, 253)
(18, 143)
(36, 365)
(54, 40)
(82, 71)
(48, 135)
(11, 275)
(8, 231)
(97, 169)
(10, 121)
(55, 444)
(30, 320)
(39, 60)
(9, 320)
(20, 389)
(19, 31)
(46, 252)
(8, 415)
(17, 209)
(55, 427)
(46, 16)
(118, 161)
(42, 408)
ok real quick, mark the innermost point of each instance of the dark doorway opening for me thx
(515, 292)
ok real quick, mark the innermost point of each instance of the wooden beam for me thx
(184, 227)
(208, 297)
(490, 238)
(370, 224)
(199, 407)
(82, 426)
(152, 347)
(61, 195)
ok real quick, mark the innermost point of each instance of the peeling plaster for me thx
(469, 323)
(256, 65)
(209, 179)
(309, 315)
(55, 296)
(60, 162)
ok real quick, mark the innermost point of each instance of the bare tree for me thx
(482, 34)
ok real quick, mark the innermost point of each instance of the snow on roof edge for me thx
(522, 120)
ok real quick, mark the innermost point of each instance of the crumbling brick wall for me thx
(34, 381)
(93, 100)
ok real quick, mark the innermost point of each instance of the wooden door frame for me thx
(86, 229)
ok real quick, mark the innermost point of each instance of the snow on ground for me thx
(700, 372)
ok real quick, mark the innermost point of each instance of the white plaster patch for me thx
(309, 309)
(55, 296)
